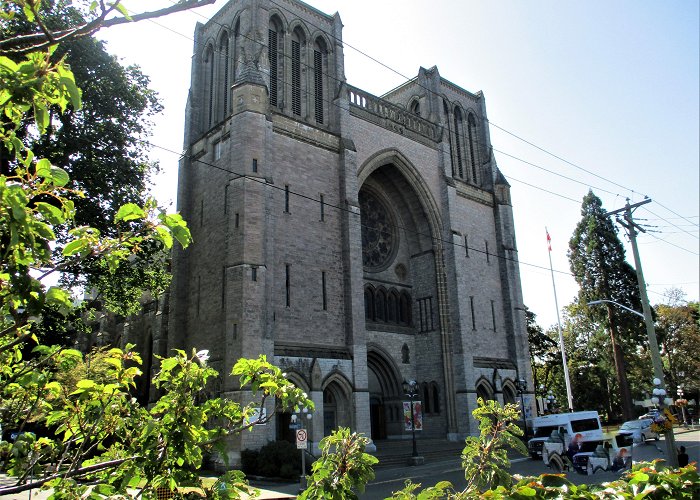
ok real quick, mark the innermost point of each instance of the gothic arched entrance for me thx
(384, 395)
(337, 411)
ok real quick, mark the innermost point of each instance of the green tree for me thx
(678, 327)
(103, 147)
(92, 428)
(597, 261)
(545, 355)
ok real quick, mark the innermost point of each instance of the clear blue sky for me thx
(611, 87)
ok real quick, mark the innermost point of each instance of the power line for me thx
(347, 210)
(483, 145)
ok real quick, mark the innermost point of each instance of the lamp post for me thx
(550, 402)
(298, 423)
(653, 350)
(521, 385)
(410, 389)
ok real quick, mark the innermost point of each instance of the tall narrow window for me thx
(217, 150)
(319, 56)
(236, 49)
(323, 211)
(425, 311)
(287, 290)
(296, 78)
(471, 307)
(323, 290)
(473, 147)
(236, 222)
(272, 56)
(209, 64)
(426, 398)
(493, 315)
(199, 293)
(446, 110)
(254, 273)
(488, 255)
(286, 198)
(380, 305)
(255, 164)
(458, 142)
(224, 52)
(436, 397)
(369, 304)
(466, 246)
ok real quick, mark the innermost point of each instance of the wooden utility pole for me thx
(632, 230)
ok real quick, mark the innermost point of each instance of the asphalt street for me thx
(390, 480)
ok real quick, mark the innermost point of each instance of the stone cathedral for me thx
(358, 241)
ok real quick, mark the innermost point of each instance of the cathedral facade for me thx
(357, 241)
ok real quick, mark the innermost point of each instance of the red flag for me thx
(549, 241)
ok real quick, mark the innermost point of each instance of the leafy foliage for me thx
(342, 468)
(644, 480)
(74, 414)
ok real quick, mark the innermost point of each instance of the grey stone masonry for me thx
(358, 241)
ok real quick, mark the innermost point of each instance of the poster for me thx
(417, 415)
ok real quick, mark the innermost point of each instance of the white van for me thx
(565, 426)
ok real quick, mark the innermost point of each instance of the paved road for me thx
(390, 480)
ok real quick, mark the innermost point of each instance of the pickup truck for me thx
(612, 452)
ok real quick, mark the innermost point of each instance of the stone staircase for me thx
(392, 453)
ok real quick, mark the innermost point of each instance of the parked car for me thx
(639, 430)
(652, 414)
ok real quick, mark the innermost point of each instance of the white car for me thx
(640, 430)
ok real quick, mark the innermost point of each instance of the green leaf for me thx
(41, 116)
(130, 211)
(60, 177)
(53, 214)
(85, 384)
(164, 236)
(75, 247)
(120, 7)
(73, 91)
(58, 297)
(8, 65)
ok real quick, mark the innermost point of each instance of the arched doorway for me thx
(337, 410)
(384, 394)
(508, 394)
(484, 390)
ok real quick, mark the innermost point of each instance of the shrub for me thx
(274, 455)
(249, 462)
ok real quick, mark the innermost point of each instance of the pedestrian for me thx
(682, 457)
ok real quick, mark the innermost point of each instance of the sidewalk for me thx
(278, 491)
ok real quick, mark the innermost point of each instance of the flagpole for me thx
(569, 397)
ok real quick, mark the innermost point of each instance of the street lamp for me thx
(298, 423)
(521, 385)
(550, 402)
(410, 389)
(653, 350)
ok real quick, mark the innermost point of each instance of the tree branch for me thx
(83, 470)
(23, 44)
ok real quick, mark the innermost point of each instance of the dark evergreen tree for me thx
(597, 260)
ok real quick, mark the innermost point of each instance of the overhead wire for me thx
(340, 208)
(363, 53)
(308, 93)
